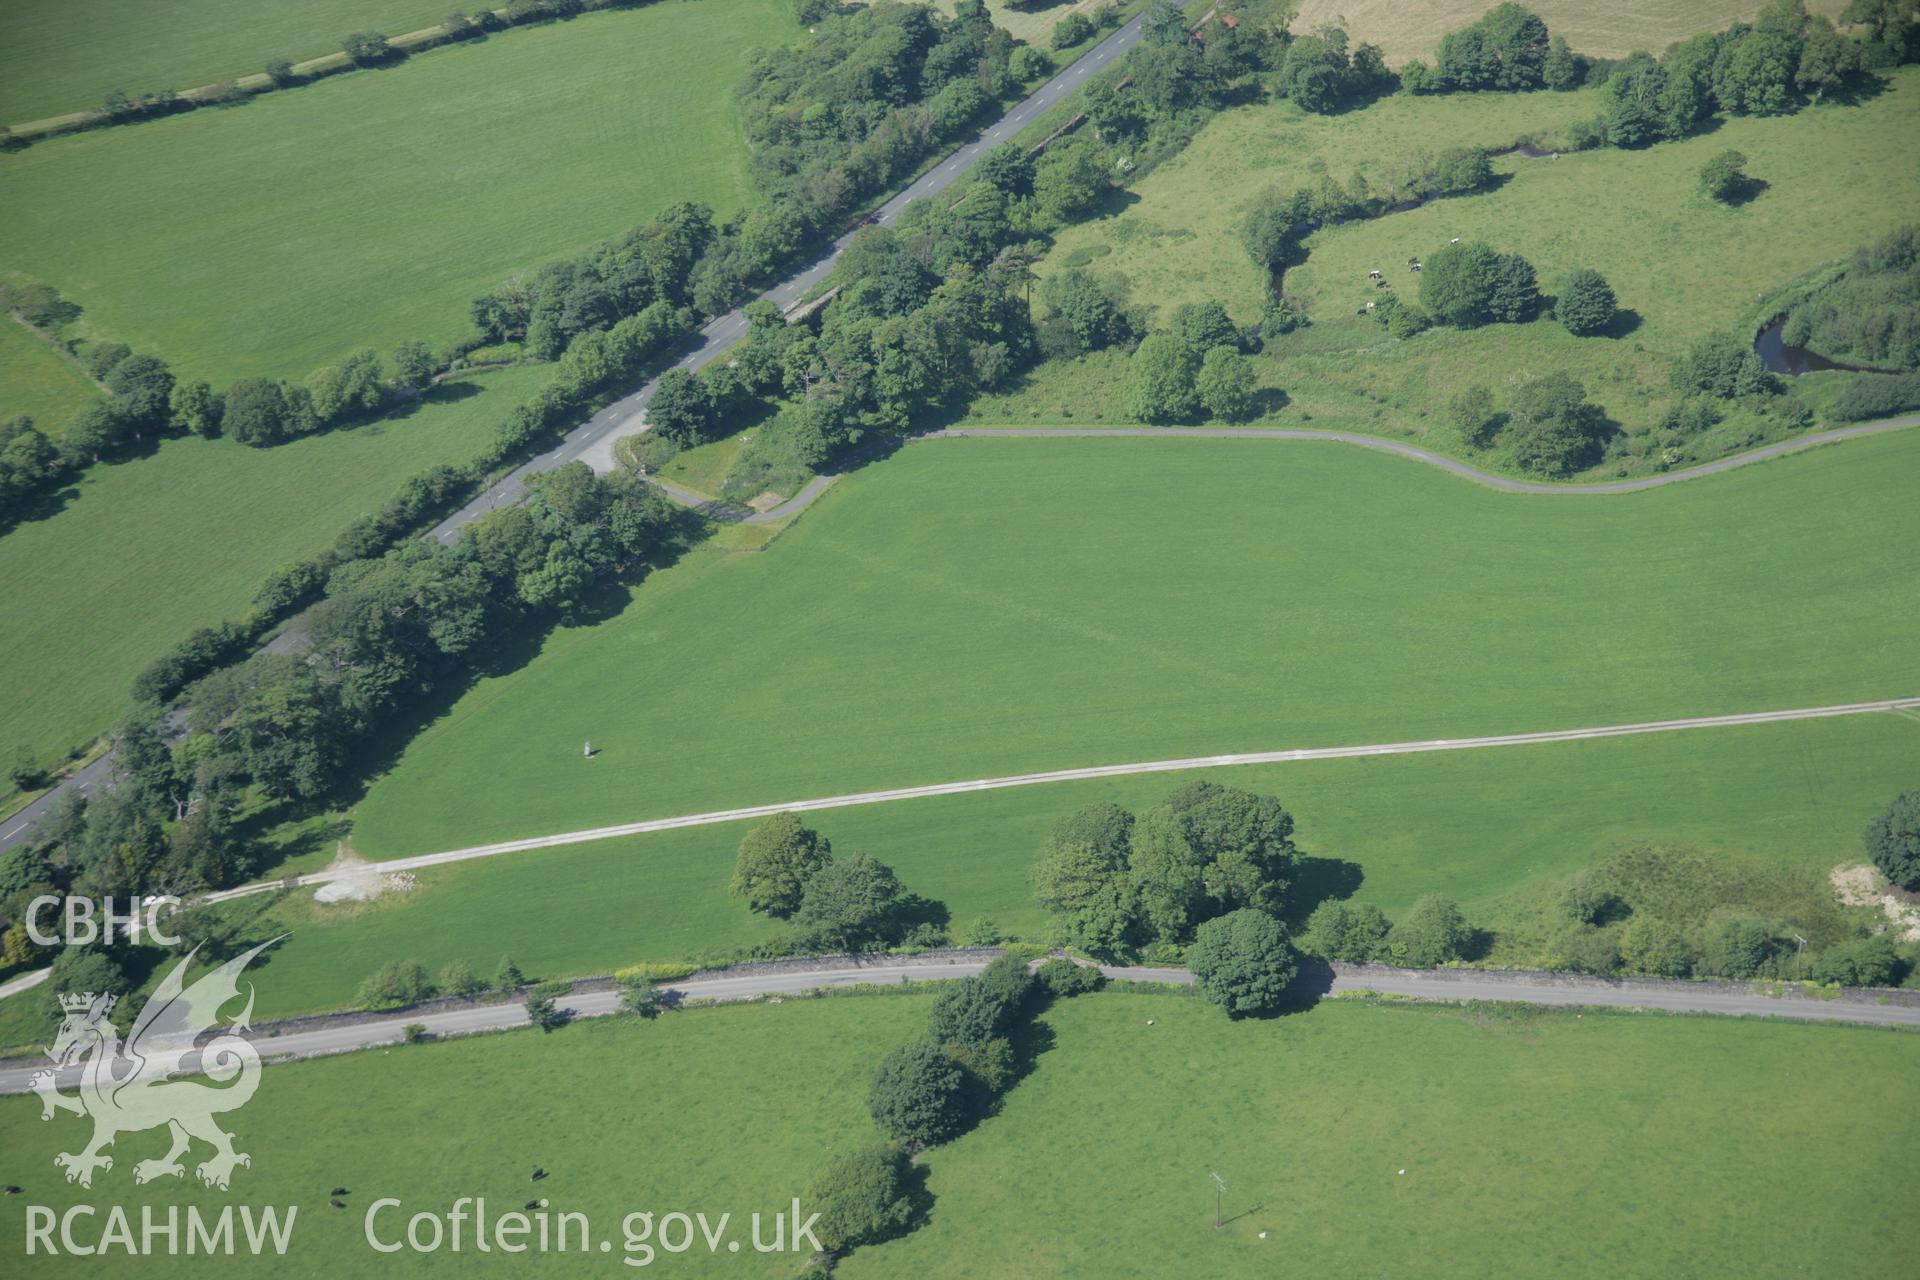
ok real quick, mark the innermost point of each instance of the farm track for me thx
(1008, 781)
(1505, 484)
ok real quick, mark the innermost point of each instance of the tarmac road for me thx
(1558, 990)
(592, 441)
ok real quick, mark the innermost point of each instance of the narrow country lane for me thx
(753, 982)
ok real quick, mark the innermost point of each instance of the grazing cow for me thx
(1455, 240)
(1369, 306)
(1416, 266)
(1413, 262)
(1373, 275)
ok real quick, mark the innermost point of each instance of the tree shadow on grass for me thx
(912, 911)
(1318, 880)
(1625, 321)
(1745, 191)
(1862, 89)
(1311, 981)
(1267, 402)
(450, 392)
(1116, 201)
(510, 651)
(919, 1197)
(257, 828)
(41, 506)
(1030, 1041)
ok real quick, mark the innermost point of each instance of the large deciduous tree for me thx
(1550, 426)
(1208, 849)
(848, 905)
(1431, 933)
(1457, 283)
(1160, 380)
(776, 860)
(863, 1197)
(1586, 304)
(919, 1094)
(1225, 384)
(1243, 962)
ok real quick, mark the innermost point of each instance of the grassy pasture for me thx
(1530, 1144)
(36, 380)
(67, 55)
(367, 209)
(1168, 598)
(1176, 233)
(1491, 829)
(1309, 1116)
(1681, 263)
(145, 551)
(1602, 29)
(1684, 264)
(680, 1114)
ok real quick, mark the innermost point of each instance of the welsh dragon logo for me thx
(126, 1091)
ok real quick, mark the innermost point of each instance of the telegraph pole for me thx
(1219, 1189)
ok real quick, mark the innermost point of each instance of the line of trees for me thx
(144, 402)
(1122, 887)
(651, 264)
(360, 49)
(1508, 49)
(1198, 367)
(835, 120)
(1660, 913)
(1772, 66)
(832, 905)
(933, 1089)
(387, 630)
(1279, 219)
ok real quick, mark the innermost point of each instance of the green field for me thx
(1487, 828)
(67, 55)
(368, 209)
(1177, 233)
(1599, 28)
(1170, 598)
(624, 1116)
(1839, 175)
(1543, 1144)
(146, 551)
(36, 380)
(1532, 1145)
